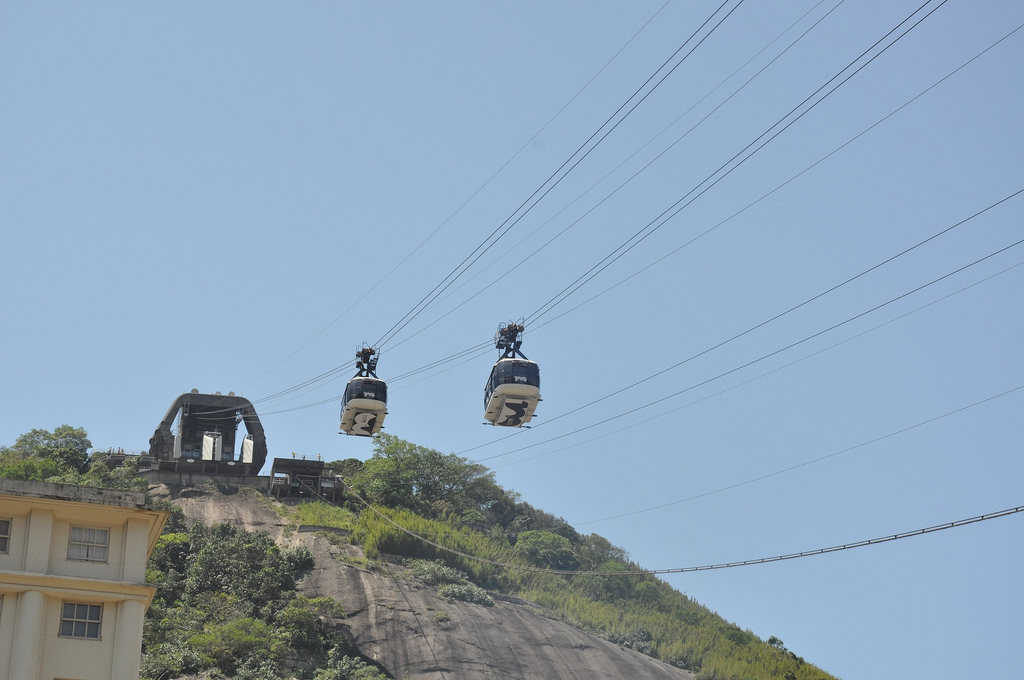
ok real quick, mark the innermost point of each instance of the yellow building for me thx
(73, 590)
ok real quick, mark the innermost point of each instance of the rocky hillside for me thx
(409, 630)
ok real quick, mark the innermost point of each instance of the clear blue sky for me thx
(198, 195)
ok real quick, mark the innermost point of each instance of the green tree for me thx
(594, 550)
(227, 645)
(433, 484)
(124, 476)
(340, 666)
(347, 468)
(14, 466)
(606, 587)
(231, 560)
(66, 446)
(647, 592)
(546, 549)
(303, 622)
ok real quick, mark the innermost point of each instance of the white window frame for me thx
(88, 544)
(83, 619)
(5, 534)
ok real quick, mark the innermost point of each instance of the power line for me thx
(649, 224)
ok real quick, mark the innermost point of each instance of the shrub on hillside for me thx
(467, 592)
(340, 666)
(434, 572)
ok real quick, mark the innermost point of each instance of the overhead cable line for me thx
(409, 318)
(745, 208)
(621, 186)
(749, 363)
(525, 144)
(550, 183)
(763, 375)
(798, 306)
(702, 399)
(329, 400)
(811, 461)
(467, 201)
(678, 570)
(769, 320)
(294, 388)
(465, 360)
(677, 249)
(452, 357)
(472, 353)
(766, 194)
(767, 136)
(788, 181)
(334, 371)
(806, 463)
(476, 350)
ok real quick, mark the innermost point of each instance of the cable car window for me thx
(359, 388)
(516, 372)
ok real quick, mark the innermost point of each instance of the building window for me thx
(88, 544)
(81, 620)
(5, 535)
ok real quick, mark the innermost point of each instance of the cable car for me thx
(512, 391)
(366, 398)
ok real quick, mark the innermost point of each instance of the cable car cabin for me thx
(512, 392)
(364, 406)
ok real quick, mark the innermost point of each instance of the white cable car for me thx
(366, 398)
(512, 392)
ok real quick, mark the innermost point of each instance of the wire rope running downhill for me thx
(680, 570)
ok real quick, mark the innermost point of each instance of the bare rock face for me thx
(244, 508)
(412, 633)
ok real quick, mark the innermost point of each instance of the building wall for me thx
(8, 605)
(38, 579)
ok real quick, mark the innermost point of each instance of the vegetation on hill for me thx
(227, 606)
(456, 503)
(62, 457)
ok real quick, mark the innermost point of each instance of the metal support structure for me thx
(509, 339)
(366, 362)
